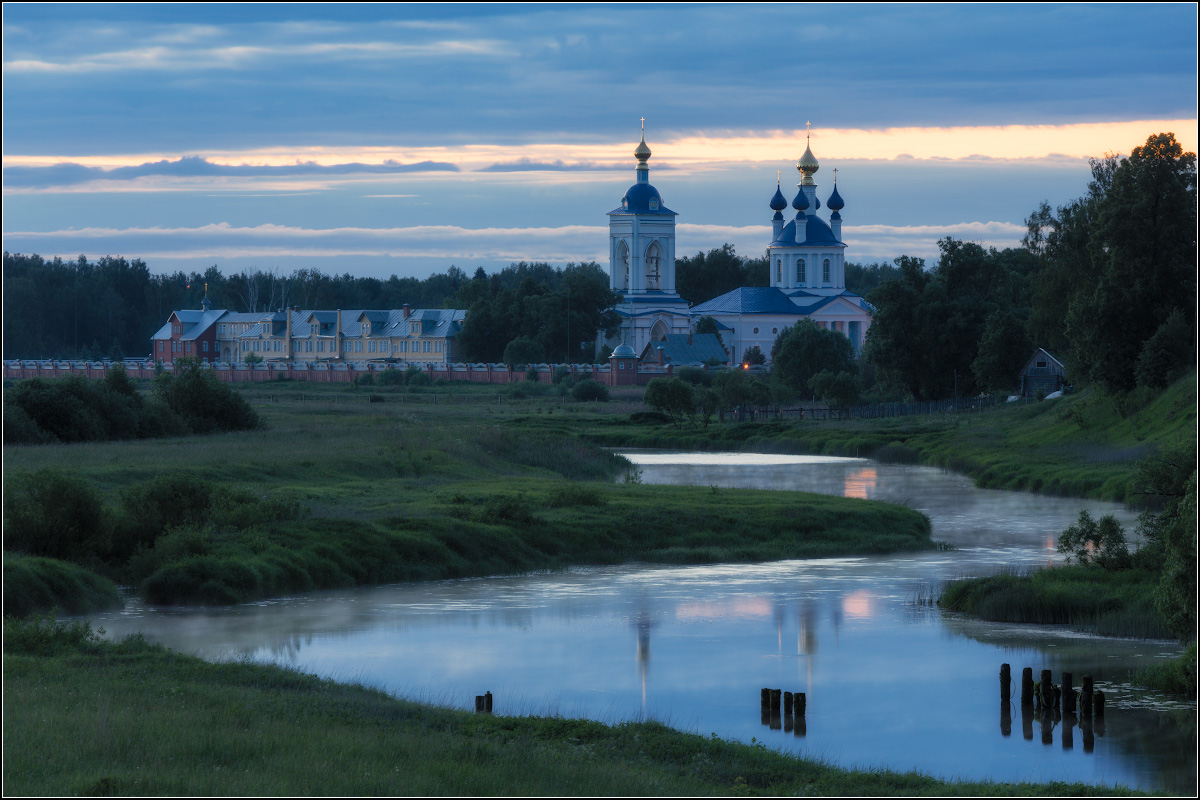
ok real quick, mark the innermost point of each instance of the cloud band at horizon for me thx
(270, 246)
(338, 209)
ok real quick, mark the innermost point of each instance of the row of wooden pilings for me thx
(784, 710)
(1045, 694)
(483, 703)
(1053, 707)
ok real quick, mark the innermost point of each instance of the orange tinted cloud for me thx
(696, 151)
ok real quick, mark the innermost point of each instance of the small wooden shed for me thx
(1043, 371)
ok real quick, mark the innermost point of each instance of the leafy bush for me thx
(150, 508)
(205, 403)
(46, 636)
(697, 376)
(1167, 354)
(415, 376)
(33, 585)
(73, 409)
(55, 514)
(523, 350)
(672, 397)
(20, 428)
(590, 389)
(391, 377)
(1091, 542)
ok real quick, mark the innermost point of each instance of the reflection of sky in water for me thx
(889, 682)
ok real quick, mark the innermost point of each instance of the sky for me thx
(402, 139)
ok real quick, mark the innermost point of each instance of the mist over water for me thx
(890, 681)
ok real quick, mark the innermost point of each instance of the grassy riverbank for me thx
(32, 585)
(338, 491)
(1110, 603)
(1083, 445)
(82, 716)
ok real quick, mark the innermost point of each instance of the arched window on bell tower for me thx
(622, 264)
(653, 266)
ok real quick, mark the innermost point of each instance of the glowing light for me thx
(860, 483)
(858, 605)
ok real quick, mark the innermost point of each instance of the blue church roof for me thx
(637, 201)
(816, 231)
(748, 300)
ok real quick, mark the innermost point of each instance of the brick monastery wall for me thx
(344, 373)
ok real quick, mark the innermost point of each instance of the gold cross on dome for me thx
(777, 174)
(808, 128)
(643, 124)
(835, 174)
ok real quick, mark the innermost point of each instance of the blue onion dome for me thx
(801, 201)
(624, 351)
(835, 200)
(778, 202)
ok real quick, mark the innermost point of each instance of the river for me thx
(890, 681)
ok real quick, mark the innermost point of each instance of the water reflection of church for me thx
(807, 271)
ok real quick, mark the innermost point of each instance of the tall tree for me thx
(1144, 243)
(704, 276)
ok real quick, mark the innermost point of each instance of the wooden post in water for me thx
(1005, 683)
(787, 704)
(766, 698)
(1027, 687)
(1089, 735)
(1068, 694)
(1098, 703)
(776, 698)
(1047, 689)
(800, 702)
(1085, 697)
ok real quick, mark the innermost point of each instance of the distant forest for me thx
(111, 307)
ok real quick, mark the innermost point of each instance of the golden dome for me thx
(808, 164)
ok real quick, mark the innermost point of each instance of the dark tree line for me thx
(111, 307)
(1106, 283)
(544, 313)
(702, 277)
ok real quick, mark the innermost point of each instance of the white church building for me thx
(807, 263)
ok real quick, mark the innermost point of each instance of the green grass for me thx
(1083, 445)
(34, 585)
(87, 717)
(475, 528)
(421, 490)
(1107, 602)
(1177, 676)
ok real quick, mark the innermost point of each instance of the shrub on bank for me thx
(589, 390)
(34, 585)
(55, 514)
(206, 404)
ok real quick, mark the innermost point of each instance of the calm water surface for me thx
(890, 681)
